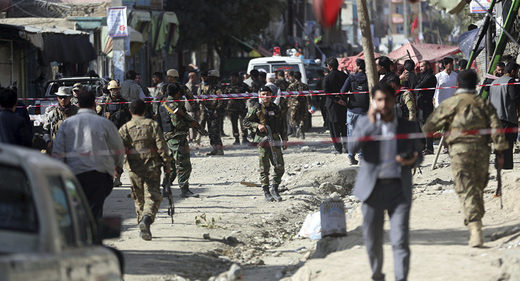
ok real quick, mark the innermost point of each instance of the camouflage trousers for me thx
(215, 138)
(265, 159)
(181, 164)
(298, 112)
(470, 164)
(145, 190)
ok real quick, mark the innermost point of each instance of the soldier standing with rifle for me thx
(175, 123)
(115, 108)
(146, 154)
(469, 153)
(298, 106)
(214, 110)
(265, 118)
(55, 115)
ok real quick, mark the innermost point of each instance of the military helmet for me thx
(172, 72)
(113, 85)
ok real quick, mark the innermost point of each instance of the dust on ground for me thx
(231, 223)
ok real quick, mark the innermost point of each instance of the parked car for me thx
(47, 231)
(275, 63)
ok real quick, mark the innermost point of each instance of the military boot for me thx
(274, 193)
(475, 234)
(186, 193)
(144, 227)
(267, 194)
(237, 141)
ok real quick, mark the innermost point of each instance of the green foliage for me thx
(216, 22)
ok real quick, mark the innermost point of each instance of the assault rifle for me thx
(269, 141)
(167, 192)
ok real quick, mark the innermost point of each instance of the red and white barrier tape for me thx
(234, 96)
(478, 132)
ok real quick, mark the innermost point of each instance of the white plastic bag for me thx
(311, 227)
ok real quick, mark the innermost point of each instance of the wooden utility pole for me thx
(366, 40)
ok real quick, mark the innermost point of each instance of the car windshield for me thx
(262, 66)
(17, 209)
(89, 85)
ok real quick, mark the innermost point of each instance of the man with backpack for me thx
(357, 104)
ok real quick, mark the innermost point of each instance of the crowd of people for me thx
(153, 128)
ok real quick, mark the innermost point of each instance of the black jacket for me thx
(14, 129)
(332, 84)
(424, 99)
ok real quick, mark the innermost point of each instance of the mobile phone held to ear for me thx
(374, 106)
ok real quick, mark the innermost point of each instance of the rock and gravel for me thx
(231, 233)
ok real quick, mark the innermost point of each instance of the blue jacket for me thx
(370, 163)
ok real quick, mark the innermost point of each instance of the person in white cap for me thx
(214, 110)
(55, 115)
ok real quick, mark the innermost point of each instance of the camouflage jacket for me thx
(144, 142)
(237, 105)
(271, 116)
(213, 105)
(466, 111)
(117, 113)
(54, 116)
(407, 106)
(282, 84)
(295, 100)
(174, 120)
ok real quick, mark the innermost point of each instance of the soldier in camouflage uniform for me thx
(263, 115)
(469, 153)
(236, 108)
(115, 108)
(175, 123)
(148, 152)
(298, 105)
(55, 115)
(214, 110)
(405, 101)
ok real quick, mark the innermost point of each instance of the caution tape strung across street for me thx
(479, 132)
(234, 96)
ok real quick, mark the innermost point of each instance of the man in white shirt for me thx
(445, 78)
(92, 147)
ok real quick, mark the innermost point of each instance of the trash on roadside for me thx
(311, 227)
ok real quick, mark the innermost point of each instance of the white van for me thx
(273, 64)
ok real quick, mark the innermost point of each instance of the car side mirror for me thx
(109, 227)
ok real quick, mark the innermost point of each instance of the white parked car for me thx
(275, 63)
(46, 228)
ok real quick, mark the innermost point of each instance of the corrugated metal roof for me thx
(43, 25)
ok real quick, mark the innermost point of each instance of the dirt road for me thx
(236, 225)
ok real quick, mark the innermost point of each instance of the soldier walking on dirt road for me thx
(147, 153)
(176, 122)
(469, 153)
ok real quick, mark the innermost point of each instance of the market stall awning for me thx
(349, 63)
(419, 52)
(56, 38)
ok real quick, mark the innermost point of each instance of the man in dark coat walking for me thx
(336, 105)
